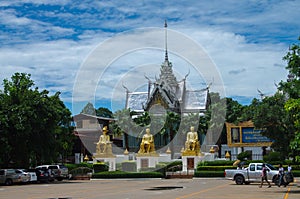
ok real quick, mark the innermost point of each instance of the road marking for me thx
(287, 193)
(202, 191)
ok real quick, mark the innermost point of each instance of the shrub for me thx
(175, 163)
(273, 157)
(100, 167)
(118, 166)
(173, 166)
(74, 166)
(81, 171)
(244, 156)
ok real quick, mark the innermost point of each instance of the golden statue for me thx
(104, 143)
(192, 146)
(147, 144)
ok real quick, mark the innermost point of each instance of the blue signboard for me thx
(252, 135)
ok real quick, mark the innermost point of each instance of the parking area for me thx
(207, 188)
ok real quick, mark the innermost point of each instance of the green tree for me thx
(34, 125)
(216, 115)
(292, 106)
(104, 112)
(124, 124)
(271, 116)
(291, 90)
(234, 110)
(292, 86)
(248, 111)
(170, 129)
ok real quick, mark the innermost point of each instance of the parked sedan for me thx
(31, 173)
(25, 177)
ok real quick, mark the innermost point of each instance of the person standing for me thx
(289, 168)
(280, 173)
(264, 176)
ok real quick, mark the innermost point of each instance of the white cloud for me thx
(246, 41)
(53, 65)
(254, 62)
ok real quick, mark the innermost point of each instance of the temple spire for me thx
(166, 42)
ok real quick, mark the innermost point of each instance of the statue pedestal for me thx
(146, 161)
(189, 163)
(111, 159)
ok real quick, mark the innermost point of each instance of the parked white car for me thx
(31, 173)
(25, 177)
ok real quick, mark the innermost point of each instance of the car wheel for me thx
(239, 180)
(8, 182)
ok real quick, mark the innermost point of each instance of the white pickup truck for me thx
(251, 174)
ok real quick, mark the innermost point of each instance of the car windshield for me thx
(271, 167)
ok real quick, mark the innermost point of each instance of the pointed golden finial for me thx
(126, 152)
(227, 155)
(168, 150)
(86, 158)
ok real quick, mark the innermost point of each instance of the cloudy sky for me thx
(65, 43)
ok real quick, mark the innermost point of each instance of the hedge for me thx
(217, 163)
(80, 171)
(121, 174)
(214, 168)
(209, 174)
(74, 166)
(296, 173)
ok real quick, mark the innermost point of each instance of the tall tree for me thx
(33, 124)
(271, 116)
(291, 87)
(104, 112)
(124, 125)
(291, 90)
(292, 106)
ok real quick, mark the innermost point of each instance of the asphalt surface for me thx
(206, 188)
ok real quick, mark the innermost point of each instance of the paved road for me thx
(204, 188)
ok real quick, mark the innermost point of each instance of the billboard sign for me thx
(245, 134)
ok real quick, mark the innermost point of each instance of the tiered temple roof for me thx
(168, 92)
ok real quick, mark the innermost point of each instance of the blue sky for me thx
(52, 39)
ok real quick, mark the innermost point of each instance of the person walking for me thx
(264, 176)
